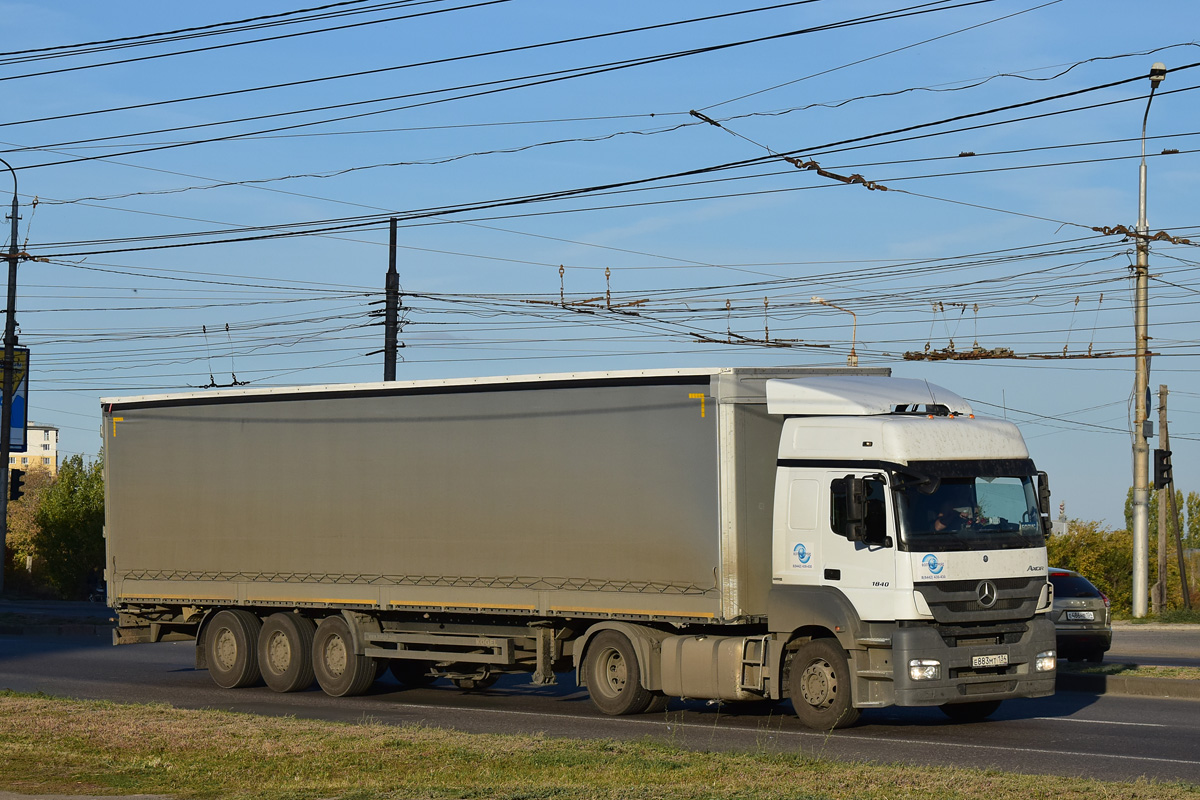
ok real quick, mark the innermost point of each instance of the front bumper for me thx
(959, 682)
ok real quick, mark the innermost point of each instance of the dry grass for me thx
(55, 746)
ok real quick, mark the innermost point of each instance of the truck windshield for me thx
(967, 512)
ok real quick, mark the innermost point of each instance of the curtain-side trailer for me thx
(729, 534)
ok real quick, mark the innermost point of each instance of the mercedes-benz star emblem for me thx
(986, 591)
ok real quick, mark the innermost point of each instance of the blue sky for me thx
(142, 191)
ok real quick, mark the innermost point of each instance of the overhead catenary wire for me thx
(537, 79)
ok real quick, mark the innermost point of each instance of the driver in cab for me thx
(953, 518)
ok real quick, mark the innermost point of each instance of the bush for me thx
(1102, 555)
(70, 518)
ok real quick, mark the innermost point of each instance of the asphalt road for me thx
(1168, 645)
(1070, 733)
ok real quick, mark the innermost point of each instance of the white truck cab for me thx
(916, 530)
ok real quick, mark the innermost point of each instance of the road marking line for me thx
(1102, 722)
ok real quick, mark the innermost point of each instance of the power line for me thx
(527, 81)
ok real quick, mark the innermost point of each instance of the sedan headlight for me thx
(1046, 661)
(924, 669)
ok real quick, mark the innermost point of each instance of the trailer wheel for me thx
(820, 686)
(230, 645)
(339, 670)
(970, 712)
(412, 674)
(285, 652)
(613, 677)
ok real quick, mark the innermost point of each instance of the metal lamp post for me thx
(1141, 450)
(852, 359)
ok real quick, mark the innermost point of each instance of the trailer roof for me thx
(494, 380)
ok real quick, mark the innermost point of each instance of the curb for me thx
(1127, 686)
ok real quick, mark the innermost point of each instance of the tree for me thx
(22, 528)
(70, 516)
(1152, 511)
(1192, 538)
(1102, 555)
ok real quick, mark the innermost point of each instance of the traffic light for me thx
(1162, 468)
(16, 484)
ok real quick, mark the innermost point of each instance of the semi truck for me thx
(842, 538)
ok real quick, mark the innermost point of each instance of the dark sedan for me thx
(1081, 617)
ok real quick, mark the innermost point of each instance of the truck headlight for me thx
(924, 669)
(1046, 661)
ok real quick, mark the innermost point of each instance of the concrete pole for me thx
(1141, 387)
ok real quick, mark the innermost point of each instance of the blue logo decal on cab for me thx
(802, 554)
(932, 564)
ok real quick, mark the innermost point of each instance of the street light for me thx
(1141, 388)
(10, 343)
(852, 359)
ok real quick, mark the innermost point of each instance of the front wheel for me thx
(820, 686)
(970, 712)
(613, 677)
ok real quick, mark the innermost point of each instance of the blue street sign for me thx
(19, 423)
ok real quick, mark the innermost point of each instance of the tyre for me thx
(970, 712)
(613, 678)
(819, 682)
(1094, 657)
(412, 674)
(285, 652)
(231, 648)
(339, 671)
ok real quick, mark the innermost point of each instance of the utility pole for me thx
(391, 301)
(10, 344)
(1173, 510)
(1159, 596)
(1141, 388)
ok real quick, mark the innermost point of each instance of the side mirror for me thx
(1044, 500)
(856, 508)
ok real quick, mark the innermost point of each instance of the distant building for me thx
(42, 450)
(1060, 526)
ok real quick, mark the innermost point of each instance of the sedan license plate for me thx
(1085, 616)
(999, 660)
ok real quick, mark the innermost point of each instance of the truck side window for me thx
(875, 511)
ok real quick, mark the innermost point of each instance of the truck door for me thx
(865, 571)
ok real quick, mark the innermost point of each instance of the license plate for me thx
(1087, 616)
(999, 660)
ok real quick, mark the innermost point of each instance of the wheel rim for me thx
(615, 672)
(818, 684)
(336, 657)
(225, 649)
(279, 653)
